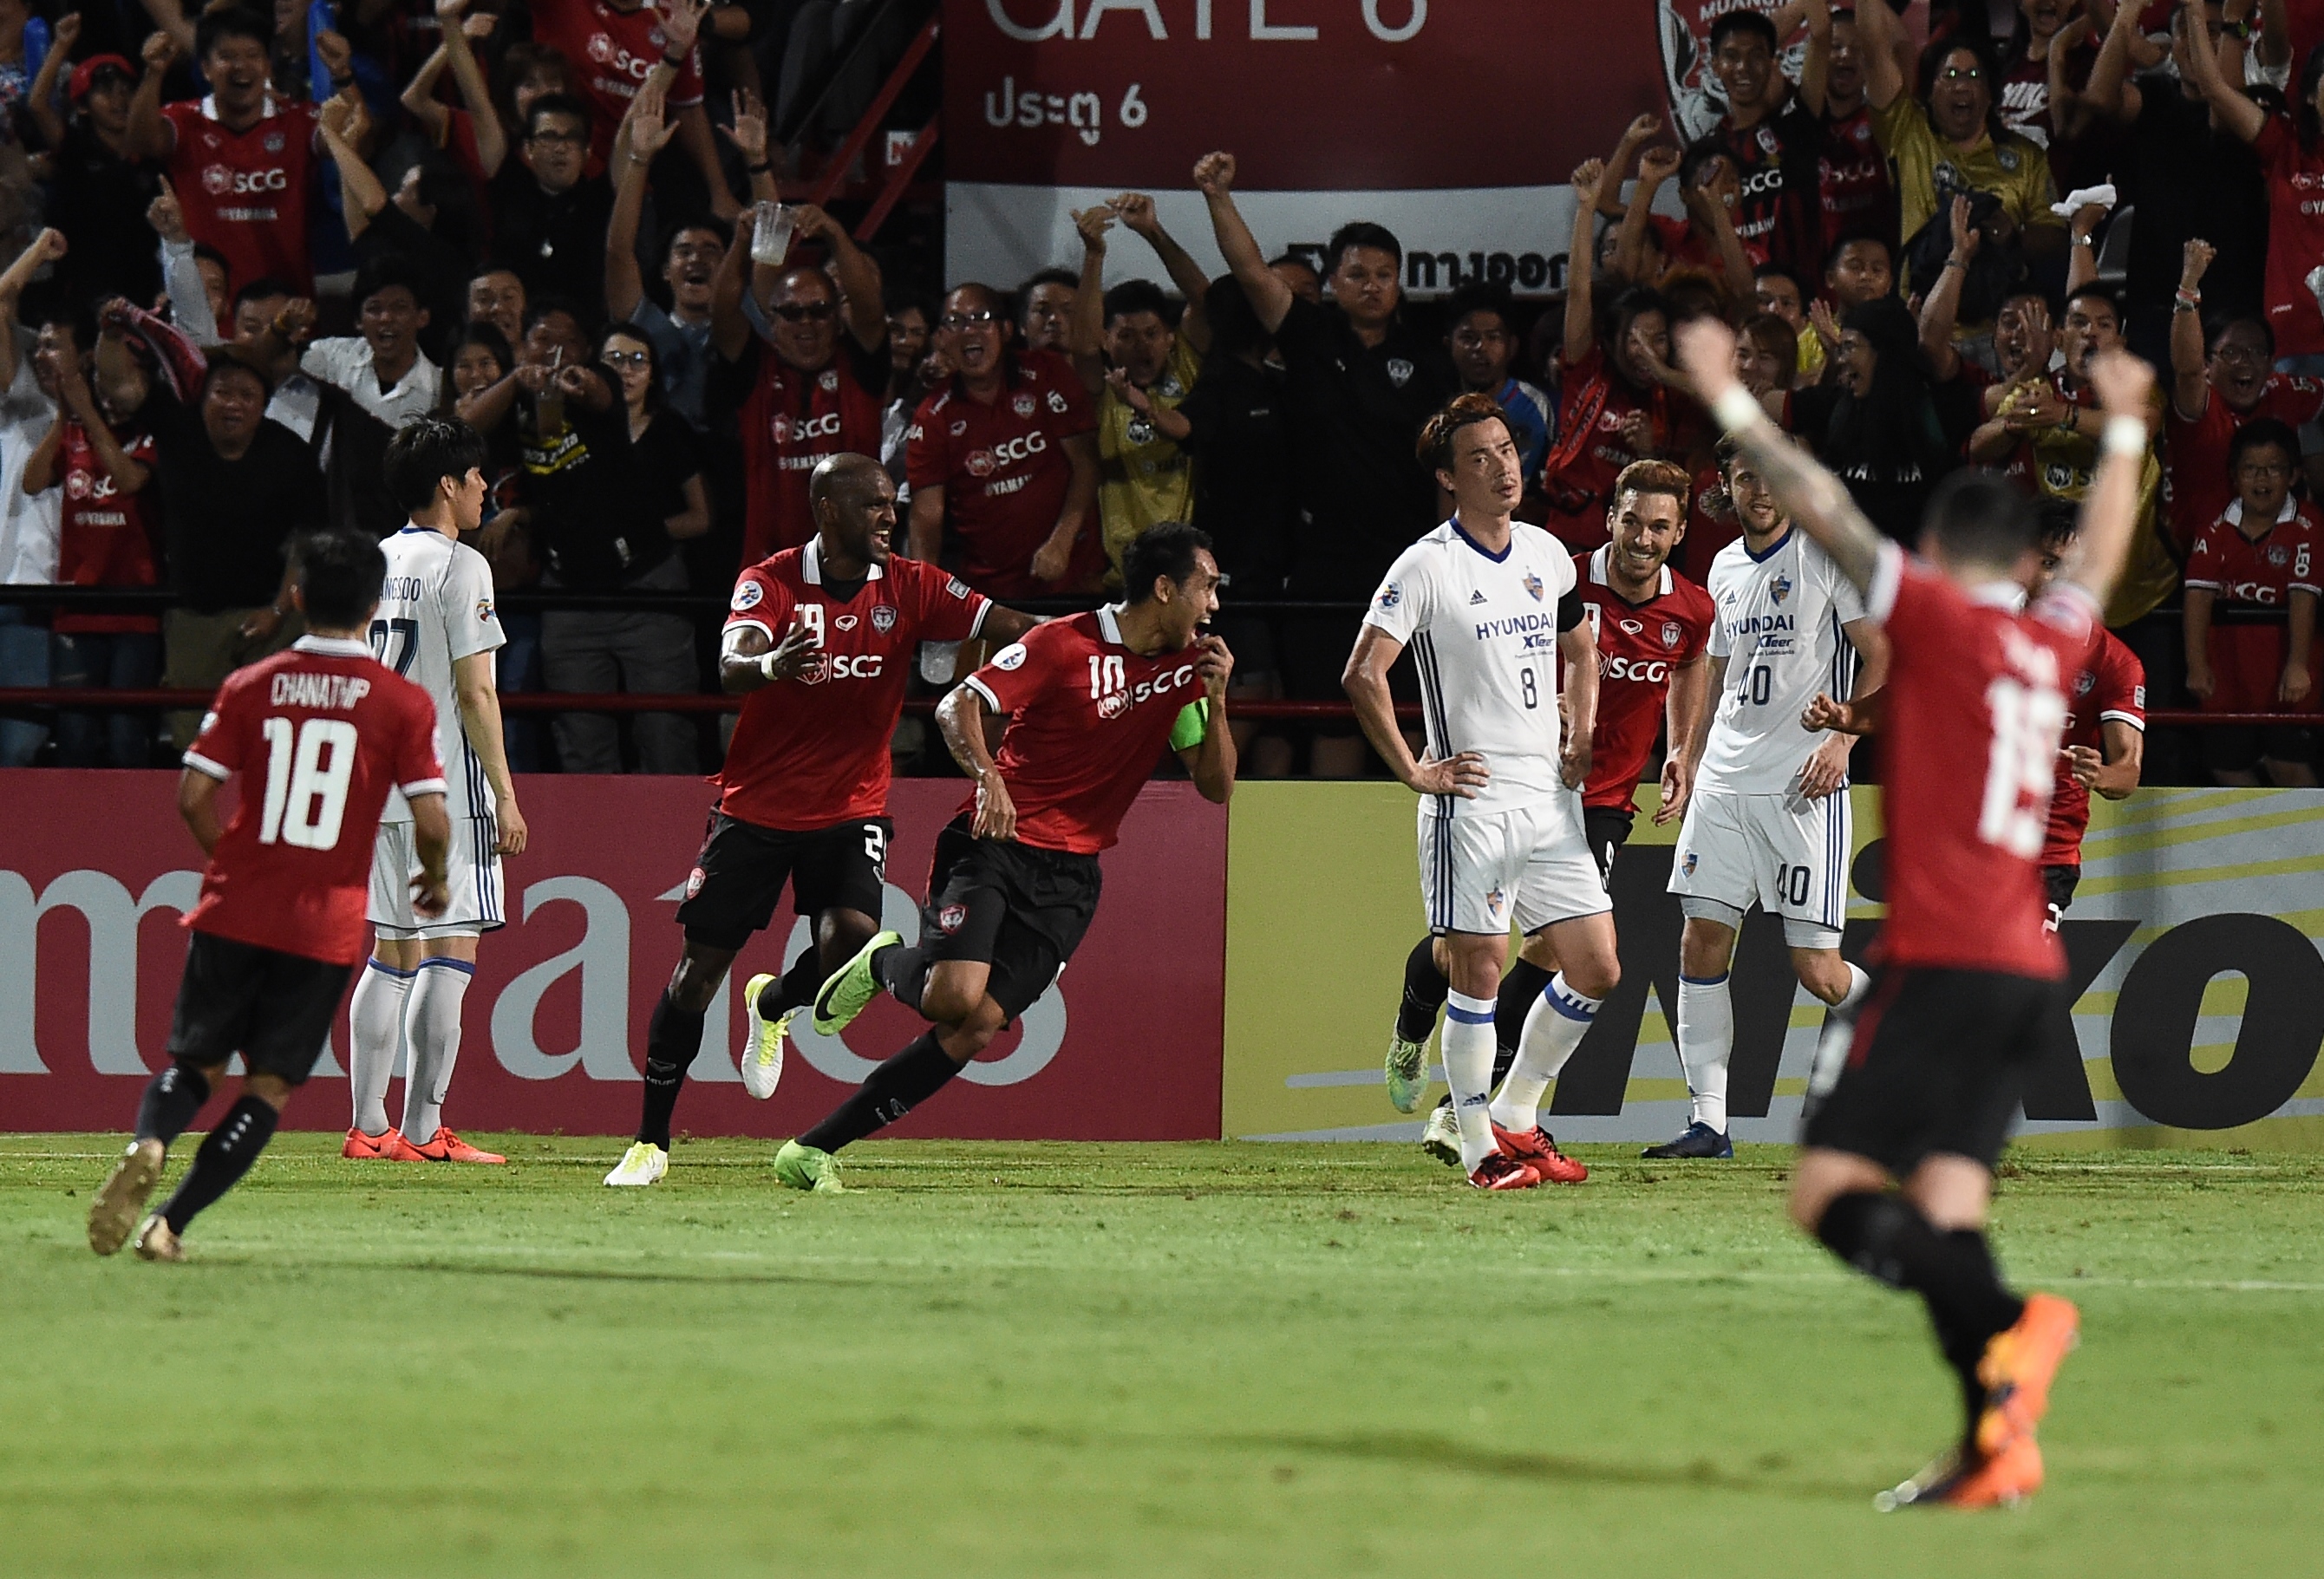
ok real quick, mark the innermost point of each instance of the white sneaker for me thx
(643, 1164)
(762, 1057)
(1440, 1137)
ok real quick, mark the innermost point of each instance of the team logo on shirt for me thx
(1533, 584)
(829, 381)
(883, 619)
(271, 142)
(694, 881)
(950, 919)
(1022, 405)
(1671, 633)
(1780, 590)
(1688, 865)
(747, 595)
(1495, 903)
(2277, 556)
(1400, 372)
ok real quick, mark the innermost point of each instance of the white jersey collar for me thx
(1599, 576)
(1109, 623)
(2235, 513)
(811, 563)
(2001, 595)
(332, 646)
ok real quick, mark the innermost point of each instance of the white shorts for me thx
(1787, 854)
(472, 871)
(1480, 870)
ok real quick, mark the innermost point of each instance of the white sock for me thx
(1706, 1040)
(431, 1021)
(1838, 1033)
(1554, 1027)
(376, 1024)
(1468, 1048)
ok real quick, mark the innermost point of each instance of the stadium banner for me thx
(1455, 124)
(2193, 944)
(96, 869)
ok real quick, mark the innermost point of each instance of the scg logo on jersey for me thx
(789, 430)
(1647, 671)
(1009, 451)
(606, 52)
(844, 666)
(219, 181)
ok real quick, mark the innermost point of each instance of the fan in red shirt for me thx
(820, 641)
(613, 51)
(1968, 972)
(2260, 555)
(317, 735)
(2218, 385)
(1007, 453)
(1090, 702)
(242, 161)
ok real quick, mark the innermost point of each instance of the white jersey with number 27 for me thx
(1779, 627)
(435, 608)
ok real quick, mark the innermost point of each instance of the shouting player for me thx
(1488, 606)
(319, 735)
(1651, 625)
(1969, 970)
(820, 639)
(434, 625)
(1766, 800)
(1089, 702)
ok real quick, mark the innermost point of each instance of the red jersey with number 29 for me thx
(1976, 705)
(319, 735)
(811, 751)
(1087, 721)
(1639, 645)
(2111, 684)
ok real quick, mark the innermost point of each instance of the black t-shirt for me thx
(1356, 411)
(98, 199)
(225, 521)
(2189, 180)
(591, 517)
(555, 244)
(666, 455)
(1243, 490)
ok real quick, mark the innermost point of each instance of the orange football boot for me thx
(1539, 1152)
(446, 1147)
(2018, 1367)
(362, 1148)
(1956, 1479)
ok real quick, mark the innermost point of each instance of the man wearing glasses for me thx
(550, 217)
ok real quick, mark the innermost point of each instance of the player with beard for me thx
(1089, 702)
(820, 641)
(1895, 1172)
(1650, 625)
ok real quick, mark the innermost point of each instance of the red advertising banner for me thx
(96, 868)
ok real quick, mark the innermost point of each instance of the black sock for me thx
(892, 1090)
(225, 1154)
(796, 987)
(904, 972)
(171, 1100)
(1424, 988)
(673, 1042)
(1521, 983)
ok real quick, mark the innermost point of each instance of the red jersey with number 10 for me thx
(319, 735)
(1639, 645)
(811, 752)
(1976, 703)
(1087, 721)
(2111, 685)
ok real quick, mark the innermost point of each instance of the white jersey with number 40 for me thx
(435, 608)
(1779, 627)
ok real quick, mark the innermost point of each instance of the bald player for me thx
(820, 639)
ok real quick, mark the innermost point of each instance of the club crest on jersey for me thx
(883, 619)
(1780, 590)
(1022, 405)
(2085, 683)
(694, 881)
(951, 918)
(1400, 372)
(1533, 584)
(1671, 633)
(747, 595)
(846, 621)
(829, 381)
(272, 142)
(2277, 556)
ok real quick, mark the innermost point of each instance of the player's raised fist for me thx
(1214, 174)
(1706, 353)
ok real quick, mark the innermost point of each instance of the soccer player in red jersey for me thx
(1969, 970)
(1652, 626)
(319, 735)
(1091, 701)
(820, 639)
(2261, 554)
(2105, 738)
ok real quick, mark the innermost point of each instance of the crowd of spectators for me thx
(250, 244)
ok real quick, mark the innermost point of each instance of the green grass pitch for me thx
(1201, 1360)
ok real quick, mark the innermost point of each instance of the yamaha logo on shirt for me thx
(1400, 372)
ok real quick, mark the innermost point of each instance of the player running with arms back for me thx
(1487, 606)
(1650, 624)
(435, 626)
(1767, 801)
(1969, 972)
(1091, 702)
(320, 734)
(803, 794)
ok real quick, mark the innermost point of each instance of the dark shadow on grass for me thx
(1425, 1450)
(551, 1274)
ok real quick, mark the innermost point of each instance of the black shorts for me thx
(1608, 829)
(1018, 909)
(2060, 881)
(274, 1008)
(1938, 1064)
(741, 871)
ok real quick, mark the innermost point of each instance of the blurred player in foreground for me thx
(1488, 606)
(1090, 701)
(319, 735)
(435, 626)
(1650, 624)
(1969, 970)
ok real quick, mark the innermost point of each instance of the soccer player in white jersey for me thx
(1766, 800)
(435, 626)
(1487, 605)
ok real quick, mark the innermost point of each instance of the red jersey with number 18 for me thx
(1976, 703)
(811, 752)
(1087, 721)
(319, 734)
(1639, 644)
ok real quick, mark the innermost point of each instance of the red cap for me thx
(85, 75)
